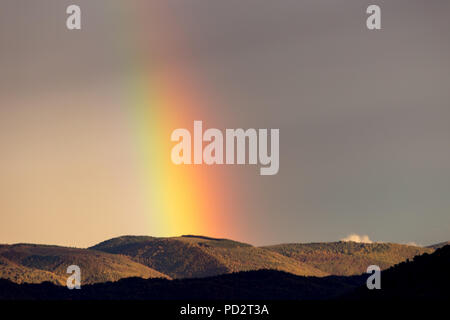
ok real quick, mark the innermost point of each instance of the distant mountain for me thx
(198, 256)
(439, 245)
(21, 274)
(193, 257)
(250, 285)
(37, 263)
(347, 257)
(424, 277)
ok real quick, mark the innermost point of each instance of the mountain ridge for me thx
(194, 256)
(438, 245)
(347, 257)
(36, 263)
(425, 277)
(199, 256)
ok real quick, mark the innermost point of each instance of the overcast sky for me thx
(364, 116)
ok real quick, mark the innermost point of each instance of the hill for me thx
(21, 274)
(424, 277)
(251, 285)
(37, 263)
(198, 256)
(348, 258)
(192, 256)
(439, 245)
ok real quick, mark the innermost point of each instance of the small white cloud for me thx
(412, 244)
(357, 238)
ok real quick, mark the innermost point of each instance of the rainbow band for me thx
(180, 199)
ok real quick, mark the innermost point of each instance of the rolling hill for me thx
(346, 257)
(248, 285)
(197, 256)
(194, 257)
(423, 277)
(21, 274)
(37, 263)
(439, 245)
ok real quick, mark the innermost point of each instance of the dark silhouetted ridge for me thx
(261, 284)
(424, 277)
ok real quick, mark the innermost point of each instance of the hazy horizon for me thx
(411, 243)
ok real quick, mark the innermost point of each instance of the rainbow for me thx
(179, 199)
